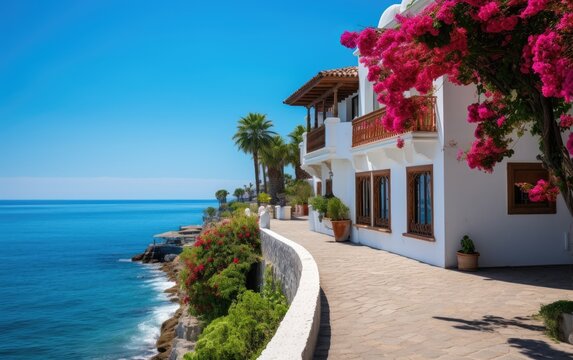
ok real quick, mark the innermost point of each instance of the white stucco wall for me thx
(397, 160)
(476, 202)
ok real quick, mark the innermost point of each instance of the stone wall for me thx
(295, 267)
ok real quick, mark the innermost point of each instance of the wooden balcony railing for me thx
(315, 139)
(368, 128)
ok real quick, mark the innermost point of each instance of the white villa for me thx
(420, 200)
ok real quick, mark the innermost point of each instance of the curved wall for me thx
(295, 267)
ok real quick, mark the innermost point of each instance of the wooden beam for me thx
(326, 94)
(335, 105)
(308, 118)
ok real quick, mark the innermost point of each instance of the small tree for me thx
(210, 212)
(238, 193)
(518, 53)
(221, 196)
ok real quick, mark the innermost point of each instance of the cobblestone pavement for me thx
(378, 305)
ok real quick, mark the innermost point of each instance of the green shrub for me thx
(210, 211)
(336, 209)
(216, 267)
(550, 314)
(299, 192)
(246, 330)
(264, 198)
(319, 203)
(236, 205)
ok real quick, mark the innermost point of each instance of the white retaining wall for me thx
(295, 267)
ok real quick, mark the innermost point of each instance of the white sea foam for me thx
(124, 260)
(148, 331)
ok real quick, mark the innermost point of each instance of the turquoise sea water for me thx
(67, 288)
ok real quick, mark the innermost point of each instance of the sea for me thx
(68, 289)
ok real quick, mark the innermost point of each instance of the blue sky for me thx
(140, 99)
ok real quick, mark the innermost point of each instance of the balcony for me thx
(315, 139)
(368, 128)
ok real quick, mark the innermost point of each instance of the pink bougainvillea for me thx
(540, 192)
(518, 53)
(348, 39)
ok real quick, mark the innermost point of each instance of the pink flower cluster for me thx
(534, 7)
(542, 191)
(545, 53)
(348, 39)
(566, 121)
(484, 154)
(487, 11)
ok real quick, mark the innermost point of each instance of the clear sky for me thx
(140, 99)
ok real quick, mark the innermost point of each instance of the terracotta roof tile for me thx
(347, 73)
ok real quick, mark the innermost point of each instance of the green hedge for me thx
(246, 330)
(550, 314)
(216, 267)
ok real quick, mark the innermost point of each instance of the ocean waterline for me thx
(67, 287)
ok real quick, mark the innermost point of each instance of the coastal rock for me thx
(188, 328)
(180, 348)
(172, 290)
(169, 257)
(165, 341)
(187, 331)
(159, 253)
(137, 257)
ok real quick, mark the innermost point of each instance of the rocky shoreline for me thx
(167, 335)
(180, 332)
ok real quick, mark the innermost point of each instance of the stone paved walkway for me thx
(378, 305)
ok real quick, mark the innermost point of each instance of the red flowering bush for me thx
(518, 53)
(216, 267)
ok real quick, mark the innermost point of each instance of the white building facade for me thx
(419, 201)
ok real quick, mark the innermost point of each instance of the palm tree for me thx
(253, 133)
(239, 192)
(294, 152)
(221, 195)
(275, 157)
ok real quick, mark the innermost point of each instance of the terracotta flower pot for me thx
(341, 230)
(467, 262)
(301, 210)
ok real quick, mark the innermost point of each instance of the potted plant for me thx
(299, 191)
(265, 199)
(467, 256)
(320, 205)
(339, 217)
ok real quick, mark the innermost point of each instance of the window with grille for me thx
(373, 199)
(381, 185)
(363, 191)
(420, 201)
